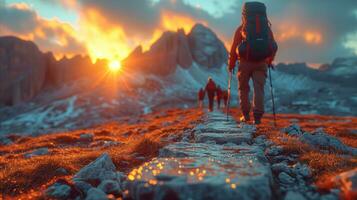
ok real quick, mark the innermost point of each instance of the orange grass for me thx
(324, 165)
(137, 143)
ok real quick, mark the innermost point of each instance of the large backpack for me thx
(258, 42)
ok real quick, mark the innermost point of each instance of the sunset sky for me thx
(308, 31)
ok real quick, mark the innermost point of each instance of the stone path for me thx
(221, 163)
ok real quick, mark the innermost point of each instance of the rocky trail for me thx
(217, 162)
(218, 159)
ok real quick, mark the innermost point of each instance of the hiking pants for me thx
(218, 102)
(210, 95)
(258, 73)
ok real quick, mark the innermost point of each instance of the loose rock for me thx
(293, 130)
(291, 195)
(100, 169)
(96, 194)
(286, 179)
(86, 137)
(110, 187)
(37, 152)
(58, 191)
(324, 141)
(82, 186)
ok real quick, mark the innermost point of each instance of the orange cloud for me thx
(50, 35)
(290, 32)
(173, 21)
(20, 6)
(102, 39)
(313, 37)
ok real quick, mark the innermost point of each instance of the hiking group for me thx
(253, 51)
(214, 92)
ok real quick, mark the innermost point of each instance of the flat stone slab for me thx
(222, 138)
(222, 132)
(203, 171)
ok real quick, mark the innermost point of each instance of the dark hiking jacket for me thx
(210, 87)
(201, 94)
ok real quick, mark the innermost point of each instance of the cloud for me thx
(18, 18)
(50, 35)
(313, 31)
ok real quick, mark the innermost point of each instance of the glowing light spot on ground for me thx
(233, 186)
(131, 177)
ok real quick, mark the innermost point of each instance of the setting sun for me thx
(114, 66)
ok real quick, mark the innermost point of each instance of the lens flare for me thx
(114, 66)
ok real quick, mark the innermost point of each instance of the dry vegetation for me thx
(324, 165)
(137, 140)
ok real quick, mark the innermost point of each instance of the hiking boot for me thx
(257, 121)
(257, 118)
(244, 118)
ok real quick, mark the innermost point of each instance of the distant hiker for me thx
(225, 97)
(218, 96)
(201, 96)
(256, 47)
(211, 90)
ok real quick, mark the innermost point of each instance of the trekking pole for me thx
(229, 91)
(272, 94)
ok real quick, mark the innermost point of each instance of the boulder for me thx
(293, 130)
(96, 194)
(58, 191)
(207, 50)
(323, 141)
(110, 187)
(82, 186)
(291, 195)
(303, 170)
(37, 152)
(286, 179)
(86, 137)
(280, 167)
(274, 151)
(100, 169)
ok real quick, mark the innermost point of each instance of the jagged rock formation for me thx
(167, 52)
(341, 71)
(207, 50)
(201, 45)
(25, 71)
(22, 70)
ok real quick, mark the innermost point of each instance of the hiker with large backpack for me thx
(211, 90)
(255, 48)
